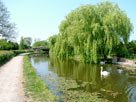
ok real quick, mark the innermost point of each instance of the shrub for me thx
(5, 56)
(17, 52)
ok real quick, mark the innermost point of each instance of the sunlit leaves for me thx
(92, 32)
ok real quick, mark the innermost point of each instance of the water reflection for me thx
(118, 86)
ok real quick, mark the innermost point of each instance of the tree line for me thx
(91, 32)
(8, 45)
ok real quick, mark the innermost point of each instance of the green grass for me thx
(35, 88)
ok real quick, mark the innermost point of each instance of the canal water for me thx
(118, 86)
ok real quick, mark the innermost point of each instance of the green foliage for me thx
(131, 46)
(41, 44)
(7, 29)
(122, 50)
(5, 56)
(25, 43)
(8, 45)
(34, 86)
(17, 52)
(126, 50)
(21, 45)
(52, 41)
(92, 32)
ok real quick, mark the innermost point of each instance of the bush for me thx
(17, 52)
(5, 56)
(8, 45)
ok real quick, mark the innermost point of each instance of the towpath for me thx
(11, 89)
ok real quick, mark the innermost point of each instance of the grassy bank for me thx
(5, 56)
(35, 88)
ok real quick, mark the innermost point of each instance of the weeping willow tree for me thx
(92, 32)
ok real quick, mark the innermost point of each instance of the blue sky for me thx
(41, 18)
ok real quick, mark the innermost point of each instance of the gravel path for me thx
(11, 89)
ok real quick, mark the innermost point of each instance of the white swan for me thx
(104, 73)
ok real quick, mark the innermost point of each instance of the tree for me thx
(8, 45)
(41, 44)
(27, 42)
(52, 41)
(93, 32)
(7, 29)
(131, 46)
(22, 45)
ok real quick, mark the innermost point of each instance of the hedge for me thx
(4, 57)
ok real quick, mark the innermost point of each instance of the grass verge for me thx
(35, 89)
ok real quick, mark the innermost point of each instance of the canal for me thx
(68, 78)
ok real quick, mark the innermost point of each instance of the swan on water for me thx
(104, 73)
